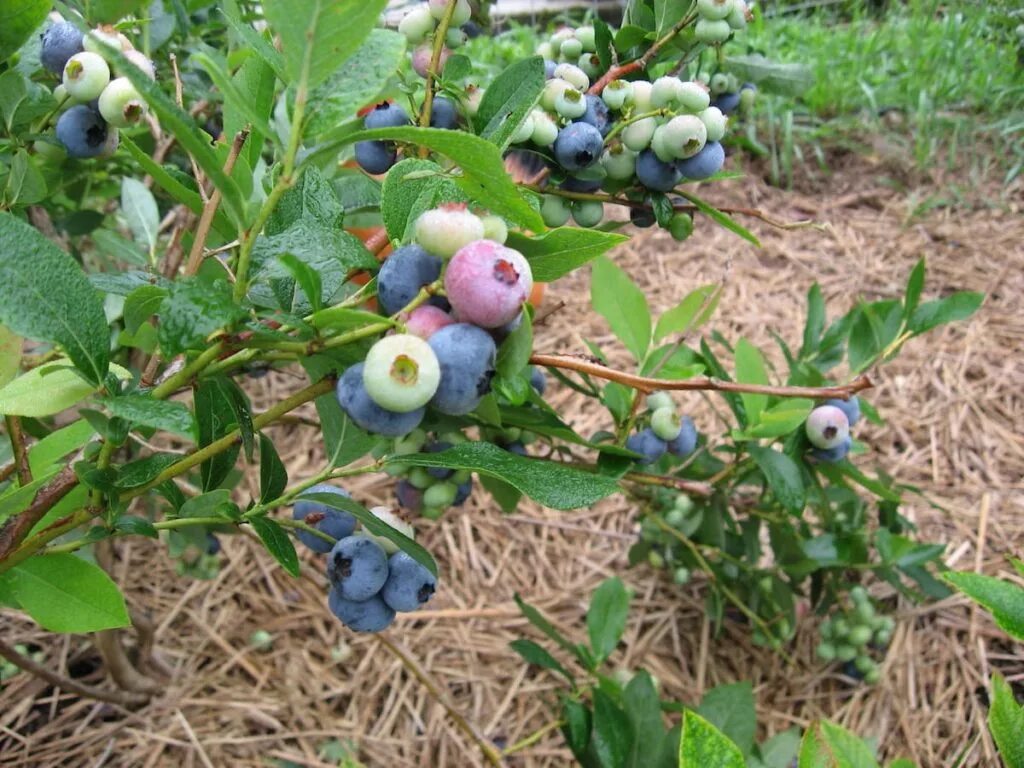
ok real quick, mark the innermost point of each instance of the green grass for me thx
(950, 71)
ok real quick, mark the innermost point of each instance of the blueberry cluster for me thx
(828, 428)
(370, 577)
(419, 26)
(430, 490)
(850, 634)
(96, 103)
(445, 358)
(666, 433)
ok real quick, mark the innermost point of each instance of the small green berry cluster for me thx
(429, 491)
(850, 634)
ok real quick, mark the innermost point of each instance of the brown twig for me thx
(17, 436)
(179, 96)
(17, 527)
(620, 71)
(121, 698)
(695, 487)
(648, 385)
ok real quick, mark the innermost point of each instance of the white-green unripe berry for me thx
(684, 503)
(694, 96)
(460, 15)
(637, 136)
(440, 495)
(719, 83)
(63, 98)
(715, 122)
(660, 146)
(714, 9)
(675, 517)
(419, 478)
(882, 637)
(401, 373)
(546, 51)
(545, 129)
(640, 95)
(445, 229)
(864, 664)
(120, 104)
(617, 93)
(858, 594)
(656, 560)
(826, 651)
(738, 15)
(573, 75)
(553, 88)
(417, 24)
(495, 228)
(555, 210)
(526, 437)
(587, 38)
(872, 676)
(665, 91)
(590, 63)
(455, 38)
(859, 636)
(570, 104)
(657, 400)
(665, 423)
(388, 516)
(712, 32)
(587, 213)
(85, 76)
(684, 135)
(619, 163)
(524, 132)
(571, 49)
(102, 39)
(411, 443)
(681, 576)
(846, 652)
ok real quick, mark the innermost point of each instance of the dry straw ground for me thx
(955, 422)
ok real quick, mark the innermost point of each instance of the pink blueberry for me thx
(426, 320)
(487, 283)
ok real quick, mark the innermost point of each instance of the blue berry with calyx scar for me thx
(83, 132)
(443, 114)
(60, 42)
(704, 164)
(834, 454)
(409, 584)
(655, 174)
(333, 522)
(467, 355)
(596, 114)
(357, 567)
(403, 275)
(360, 407)
(727, 102)
(685, 442)
(850, 407)
(578, 146)
(386, 115)
(373, 615)
(376, 157)
(648, 445)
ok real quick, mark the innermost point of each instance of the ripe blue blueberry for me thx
(402, 276)
(549, 68)
(576, 184)
(60, 42)
(83, 132)
(467, 357)
(647, 444)
(578, 146)
(438, 446)
(357, 567)
(655, 174)
(704, 164)
(834, 454)
(371, 615)
(386, 115)
(212, 544)
(333, 522)
(538, 381)
(409, 584)
(641, 217)
(517, 448)
(376, 157)
(850, 407)
(464, 491)
(596, 114)
(443, 114)
(685, 442)
(727, 102)
(360, 407)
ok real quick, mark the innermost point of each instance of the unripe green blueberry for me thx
(872, 676)
(665, 91)
(460, 16)
(571, 49)
(656, 560)
(587, 213)
(637, 136)
(590, 64)
(545, 130)
(827, 427)
(657, 400)
(411, 443)
(455, 38)
(573, 75)
(680, 226)
(858, 594)
(570, 104)
(617, 93)
(102, 39)
(714, 9)
(675, 517)
(859, 636)
(694, 97)
(826, 630)
(826, 651)
(882, 637)
(747, 98)
(63, 98)
(390, 517)
(401, 373)
(739, 15)
(120, 104)
(440, 495)
(715, 122)
(461, 476)
(524, 132)
(417, 24)
(660, 146)
(432, 513)
(712, 32)
(684, 503)
(419, 478)
(444, 230)
(864, 664)
(719, 83)
(261, 640)
(640, 94)
(865, 612)
(665, 423)
(495, 228)
(845, 652)
(85, 76)
(619, 163)
(841, 627)
(527, 437)
(681, 576)
(546, 51)
(888, 624)
(553, 88)
(587, 38)
(555, 210)
(783, 628)
(684, 136)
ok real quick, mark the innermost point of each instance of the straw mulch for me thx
(954, 415)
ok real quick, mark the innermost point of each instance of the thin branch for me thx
(195, 257)
(694, 487)
(636, 65)
(17, 527)
(17, 437)
(648, 385)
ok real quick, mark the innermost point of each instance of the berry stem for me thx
(435, 62)
(623, 124)
(616, 73)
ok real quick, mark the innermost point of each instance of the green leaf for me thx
(621, 302)
(643, 709)
(18, 20)
(815, 322)
(357, 81)
(606, 617)
(826, 745)
(730, 709)
(318, 34)
(266, 52)
(213, 504)
(560, 251)
(779, 751)
(483, 178)
(509, 99)
(130, 525)
(722, 219)
(790, 79)
(612, 735)
(307, 278)
(45, 296)
(667, 13)
(750, 369)
(277, 543)
(551, 484)
(1003, 599)
(25, 183)
(64, 593)
(141, 304)
(22, 101)
(701, 745)
(273, 475)
(49, 389)
(161, 414)
(1006, 723)
(682, 318)
(780, 419)
(216, 415)
(514, 353)
(55, 446)
(10, 355)
(141, 213)
(915, 284)
(411, 187)
(537, 619)
(136, 474)
(507, 497)
(253, 97)
(932, 314)
(539, 657)
(191, 311)
(577, 728)
(783, 476)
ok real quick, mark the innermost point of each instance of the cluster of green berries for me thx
(678, 511)
(850, 634)
(429, 491)
(828, 429)
(95, 99)
(666, 431)
(419, 26)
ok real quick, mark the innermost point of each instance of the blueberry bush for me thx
(195, 193)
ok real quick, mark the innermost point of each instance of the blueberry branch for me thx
(636, 65)
(647, 385)
(17, 438)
